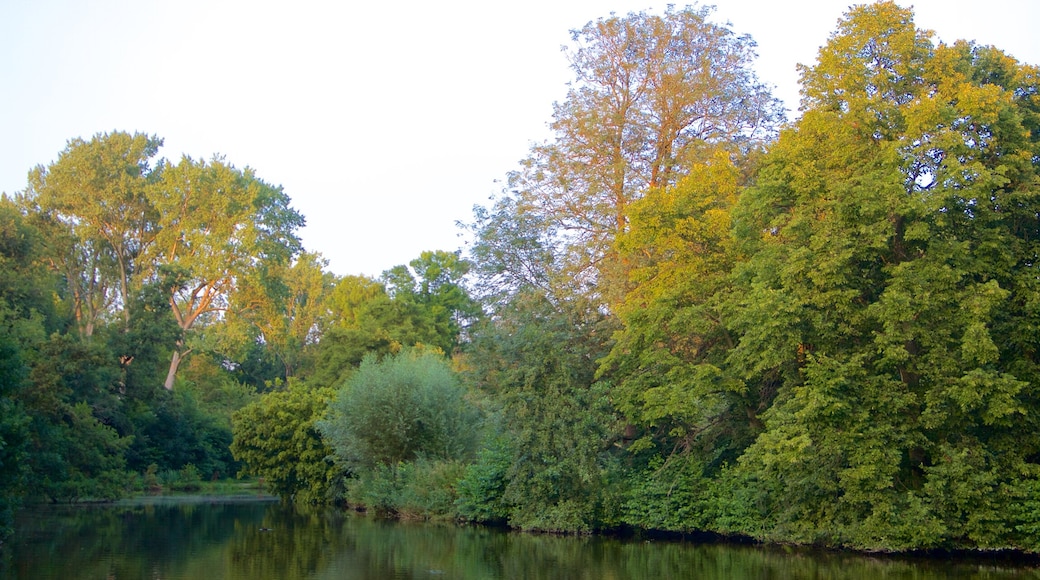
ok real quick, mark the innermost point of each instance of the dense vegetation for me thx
(681, 313)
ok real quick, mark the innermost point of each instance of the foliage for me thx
(668, 359)
(424, 304)
(433, 289)
(407, 406)
(482, 486)
(277, 438)
(216, 222)
(686, 321)
(650, 91)
(174, 431)
(539, 361)
(672, 495)
(283, 307)
(419, 489)
(891, 241)
(98, 190)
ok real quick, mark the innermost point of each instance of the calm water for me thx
(258, 540)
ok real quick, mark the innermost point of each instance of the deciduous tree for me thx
(650, 91)
(892, 243)
(216, 223)
(96, 195)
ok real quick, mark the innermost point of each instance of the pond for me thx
(224, 538)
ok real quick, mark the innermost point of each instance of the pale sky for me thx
(385, 122)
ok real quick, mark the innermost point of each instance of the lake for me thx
(250, 539)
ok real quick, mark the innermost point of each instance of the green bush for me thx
(396, 410)
(188, 479)
(672, 495)
(421, 489)
(377, 489)
(482, 487)
(430, 488)
(277, 439)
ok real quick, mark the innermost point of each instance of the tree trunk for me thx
(175, 362)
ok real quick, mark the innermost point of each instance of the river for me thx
(256, 540)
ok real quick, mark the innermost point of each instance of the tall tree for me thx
(97, 193)
(216, 223)
(650, 91)
(556, 471)
(893, 241)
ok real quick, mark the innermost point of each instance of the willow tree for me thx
(216, 223)
(649, 93)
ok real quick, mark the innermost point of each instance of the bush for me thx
(482, 487)
(277, 440)
(429, 489)
(397, 410)
(188, 479)
(421, 489)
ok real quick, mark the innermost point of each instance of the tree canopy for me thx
(679, 315)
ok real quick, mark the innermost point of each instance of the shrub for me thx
(401, 408)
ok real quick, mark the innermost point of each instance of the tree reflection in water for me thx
(257, 540)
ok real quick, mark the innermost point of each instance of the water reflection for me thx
(259, 540)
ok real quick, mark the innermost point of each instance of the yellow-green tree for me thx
(650, 92)
(277, 438)
(891, 243)
(668, 359)
(93, 203)
(284, 307)
(216, 224)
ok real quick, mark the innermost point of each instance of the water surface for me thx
(258, 540)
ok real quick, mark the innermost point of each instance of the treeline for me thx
(680, 314)
(143, 302)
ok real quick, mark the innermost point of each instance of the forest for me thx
(683, 312)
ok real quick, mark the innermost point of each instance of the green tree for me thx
(97, 190)
(425, 303)
(363, 319)
(277, 438)
(557, 472)
(891, 242)
(216, 223)
(25, 314)
(14, 433)
(433, 289)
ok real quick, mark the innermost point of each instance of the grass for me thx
(219, 488)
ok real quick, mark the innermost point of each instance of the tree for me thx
(668, 361)
(434, 289)
(892, 247)
(277, 438)
(424, 304)
(406, 406)
(283, 307)
(650, 93)
(216, 223)
(97, 192)
(550, 467)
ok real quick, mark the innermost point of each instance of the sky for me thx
(385, 122)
